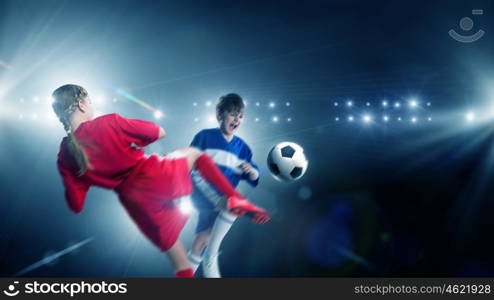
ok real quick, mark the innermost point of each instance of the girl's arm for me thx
(139, 132)
(75, 190)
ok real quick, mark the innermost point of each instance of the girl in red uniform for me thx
(106, 152)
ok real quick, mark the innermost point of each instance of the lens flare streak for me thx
(134, 99)
(51, 258)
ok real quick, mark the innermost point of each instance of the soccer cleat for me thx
(242, 207)
(210, 267)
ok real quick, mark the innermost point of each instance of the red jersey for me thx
(145, 184)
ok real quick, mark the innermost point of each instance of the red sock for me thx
(187, 273)
(213, 175)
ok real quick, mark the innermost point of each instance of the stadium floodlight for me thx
(367, 118)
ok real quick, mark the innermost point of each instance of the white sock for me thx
(195, 260)
(221, 226)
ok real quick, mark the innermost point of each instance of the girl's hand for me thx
(249, 169)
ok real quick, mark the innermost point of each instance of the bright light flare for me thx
(470, 116)
(185, 206)
(158, 114)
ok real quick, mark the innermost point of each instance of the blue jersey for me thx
(227, 155)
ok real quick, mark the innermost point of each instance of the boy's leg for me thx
(178, 257)
(221, 226)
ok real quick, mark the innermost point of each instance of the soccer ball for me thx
(287, 161)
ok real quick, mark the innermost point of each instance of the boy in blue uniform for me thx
(234, 158)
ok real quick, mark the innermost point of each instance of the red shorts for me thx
(148, 194)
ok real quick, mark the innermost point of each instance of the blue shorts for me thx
(207, 211)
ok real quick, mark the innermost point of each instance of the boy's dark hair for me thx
(230, 103)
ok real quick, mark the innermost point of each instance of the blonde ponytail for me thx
(66, 100)
(80, 156)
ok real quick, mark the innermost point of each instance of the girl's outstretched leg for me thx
(200, 242)
(235, 203)
(209, 171)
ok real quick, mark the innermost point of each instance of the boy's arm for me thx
(251, 171)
